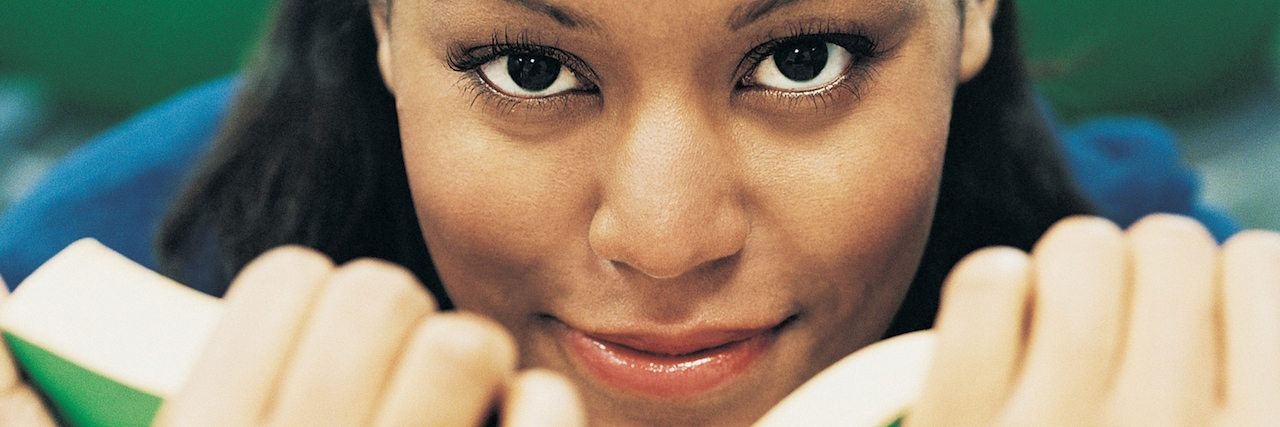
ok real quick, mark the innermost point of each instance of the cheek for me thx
(490, 209)
(864, 216)
(889, 209)
(852, 207)
(890, 188)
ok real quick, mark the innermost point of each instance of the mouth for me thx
(670, 366)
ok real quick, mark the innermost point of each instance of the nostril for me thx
(659, 272)
(649, 250)
(664, 248)
(663, 263)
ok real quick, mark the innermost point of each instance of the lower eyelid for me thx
(848, 88)
(501, 103)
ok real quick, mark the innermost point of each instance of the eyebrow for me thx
(751, 12)
(742, 15)
(565, 17)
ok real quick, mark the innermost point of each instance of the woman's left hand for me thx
(1156, 325)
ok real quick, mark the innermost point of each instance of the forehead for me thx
(736, 13)
(660, 15)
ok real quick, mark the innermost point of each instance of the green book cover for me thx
(103, 338)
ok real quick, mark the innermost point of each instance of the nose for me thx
(671, 200)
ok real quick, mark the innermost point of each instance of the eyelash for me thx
(468, 60)
(864, 50)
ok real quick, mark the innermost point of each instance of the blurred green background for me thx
(1147, 56)
(1208, 68)
(119, 56)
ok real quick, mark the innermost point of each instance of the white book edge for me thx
(870, 388)
(104, 312)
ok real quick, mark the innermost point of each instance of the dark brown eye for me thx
(533, 72)
(802, 65)
(800, 60)
(529, 75)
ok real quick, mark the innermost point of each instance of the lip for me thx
(667, 366)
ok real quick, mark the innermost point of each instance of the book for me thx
(872, 387)
(106, 340)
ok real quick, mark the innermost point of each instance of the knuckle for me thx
(280, 271)
(996, 261)
(467, 340)
(1164, 243)
(1081, 228)
(993, 275)
(1169, 225)
(368, 278)
(376, 268)
(997, 255)
(1087, 223)
(297, 257)
(1079, 235)
(1253, 241)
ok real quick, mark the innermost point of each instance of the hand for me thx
(20, 406)
(1099, 327)
(306, 343)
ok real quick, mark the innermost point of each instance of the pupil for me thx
(801, 60)
(533, 72)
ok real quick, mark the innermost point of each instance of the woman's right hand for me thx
(304, 342)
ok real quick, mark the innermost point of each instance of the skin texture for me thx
(674, 200)
(1155, 325)
(309, 343)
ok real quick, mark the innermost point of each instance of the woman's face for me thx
(687, 207)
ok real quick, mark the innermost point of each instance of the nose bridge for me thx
(671, 203)
(670, 152)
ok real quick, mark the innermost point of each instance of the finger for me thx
(22, 407)
(19, 404)
(450, 374)
(263, 315)
(351, 340)
(979, 330)
(1079, 271)
(1251, 323)
(1168, 373)
(9, 378)
(541, 398)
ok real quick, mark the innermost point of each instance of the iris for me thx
(533, 72)
(801, 60)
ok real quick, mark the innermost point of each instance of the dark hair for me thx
(1003, 180)
(311, 155)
